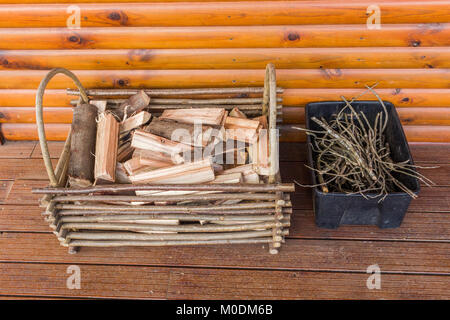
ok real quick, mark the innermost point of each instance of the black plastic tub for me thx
(333, 209)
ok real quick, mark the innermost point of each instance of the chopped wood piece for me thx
(135, 121)
(124, 152)
(133, 104)
(187, 133)
(149, 141)
(100, 104)
(242, 129)
(82, 146)
(133, 165)
(259, 153)
(121, 175)
(235, 177)
(251, 177)
(244, 169)
(237, 113)
(192, 172)
(263, 121)
(208, 116)
(106, 148)
(160, 156)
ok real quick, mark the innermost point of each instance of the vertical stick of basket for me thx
(277, 231)
(273, 134)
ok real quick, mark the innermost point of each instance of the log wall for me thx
(322, 49)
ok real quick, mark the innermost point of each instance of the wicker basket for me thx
(94, 216)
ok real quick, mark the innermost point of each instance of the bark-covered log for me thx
(82, 146)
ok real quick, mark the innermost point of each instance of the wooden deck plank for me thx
(307, 255)
(5, 189)
(186, 283)
(17, 149)
(97, 281)
(243, 284)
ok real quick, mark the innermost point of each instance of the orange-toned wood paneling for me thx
(322, 49)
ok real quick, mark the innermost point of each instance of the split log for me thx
(125, 151)
(193, 172)
(235, 112)
(187, 133)
(206, 116)
(229, 178)
(242, 129)
(82, 146)
(149, 141)
(106, 148)
(148, 156)
(135, 121)
(133, 165)
(133, 104)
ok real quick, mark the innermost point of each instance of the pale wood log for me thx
(235, 112)
(149, 141)
(207, 116)
(106, 148)
(100, 104)
(192, 172)
(186, 133)
(82, 146)
(160, 156)
(121, 174)
(241, 129)
(135, 121)
(133, 104)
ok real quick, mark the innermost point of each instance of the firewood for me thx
(192, 172)
(106, 148)
(251, 177)
(263, 121)
(244, 169)
(100, 104)
(82, 146)
(124, 151)
(182, 132)
(235, 177)
(160, 156)
(133, 104)
(259, 153)
(149, 141)
(135, 121)
(121, 174)
(206, 116)
(237, 113)
(242, 129)
(133, 165)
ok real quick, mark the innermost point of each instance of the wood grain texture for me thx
(58, 132)
(222, 13)
(238, 58)
(286, 78)
(189, 283)
(408, 116)
(318, 255)
(410, 98)
(296, 36)
(413, 133)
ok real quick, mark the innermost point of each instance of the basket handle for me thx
(40, 119)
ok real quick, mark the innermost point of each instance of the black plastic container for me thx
(335, 208)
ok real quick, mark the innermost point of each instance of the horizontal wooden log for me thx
(408, 116)
(413, 133)
(286, 78)
(295, 36)
(291, 97)
(223, 13)
(239, 58)
(58, 132)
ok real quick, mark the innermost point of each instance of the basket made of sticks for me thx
(103, 216)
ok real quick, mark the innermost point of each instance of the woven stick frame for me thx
(104, 216)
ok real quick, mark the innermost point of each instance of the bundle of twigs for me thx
(352, 155)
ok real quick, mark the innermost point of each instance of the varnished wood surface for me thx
(313, 264)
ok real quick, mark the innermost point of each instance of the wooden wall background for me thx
(322, 49)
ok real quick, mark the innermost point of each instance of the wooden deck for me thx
(313, 264)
